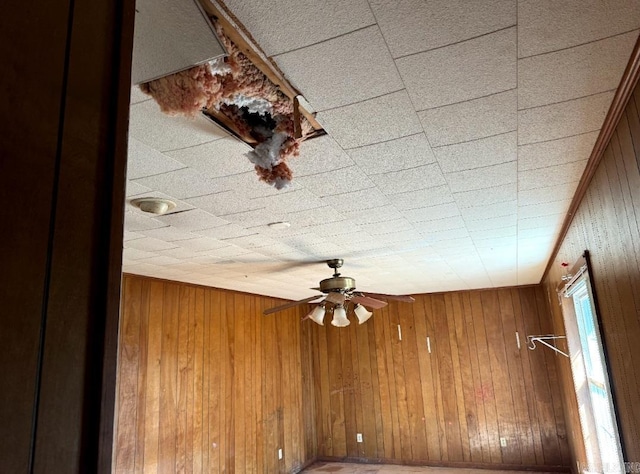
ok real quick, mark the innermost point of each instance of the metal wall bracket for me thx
(532, 340)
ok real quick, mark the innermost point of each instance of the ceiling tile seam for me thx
(456, 42)
(466, 100)
(330, 109)
(480, 168)
(310, 175)
(559, 138)
(578, 45)
(243, 211)
(322, 41)
(568, 100)
(425, 207)
(402, 170)
(475, 139)
(383, 141)
(134, 180)
(550, 166)
(198, 144)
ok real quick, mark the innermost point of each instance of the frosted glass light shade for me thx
(340, 317)
(317, 315)
(362, 313)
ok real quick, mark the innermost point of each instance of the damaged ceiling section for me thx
(241, 97)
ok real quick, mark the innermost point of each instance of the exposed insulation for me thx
(255, 105)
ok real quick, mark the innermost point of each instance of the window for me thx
(590, 376)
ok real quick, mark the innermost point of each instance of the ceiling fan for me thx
(338, 291)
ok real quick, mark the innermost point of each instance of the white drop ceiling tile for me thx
(470, 180)
(223, 157)
(387, 227)
(281, 25)
(319, 155)
(230, 251)
(192, 220)
(179, 253)
(486, 196)
(136, 189)
(250, 242)
(136, 254)
(128, 235)
(431, 228)
(530, 275)
(454, 245)
(575, 72)
(372, 121)
(225, 203)
(406, 237)
(430, 213)
(542, 231)
(478, 153)
(550, 176)
(411, 26)
(300, 200)
(548, 25)
(544, 194)
(357, 200)
(462, 71)
(335, 182)
(168, 234)
(329, 229)
(142, 160)
(248, 184)
(420, 177)
(565, 119)
(182, 183)
(201, 244)
(141, 268)
(301, 219)
(551, 221)
(472, 119)
(393, 155)
(253, 218)
(372, 216)
(544, 209)
(510, 231)
(149, 244)
(499, 222)
(495, 243)
(162, 260)
(422, 198)
(556, 152)
(135, 222)
(488, 211)
(164, 132)
(343, 70)
(189, 267)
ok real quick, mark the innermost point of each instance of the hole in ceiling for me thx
(246, 95)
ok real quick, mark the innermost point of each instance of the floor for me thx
(350, 468)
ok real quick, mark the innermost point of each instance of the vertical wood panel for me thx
(208, 384)
(607, 224)
(473, 388)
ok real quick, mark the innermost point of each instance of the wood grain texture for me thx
(607, 223)
(450, 406)
(208, 384)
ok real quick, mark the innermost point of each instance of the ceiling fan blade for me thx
(290, 305)
(335, 298)
(404, 298)
(369, 302)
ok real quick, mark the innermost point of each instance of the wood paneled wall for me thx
(608, 225)
(449, 406)
(208, 384)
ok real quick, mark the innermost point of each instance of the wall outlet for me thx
(503, 442)
(280, 453)
(359, 437)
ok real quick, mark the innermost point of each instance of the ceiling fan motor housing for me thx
(337, 283)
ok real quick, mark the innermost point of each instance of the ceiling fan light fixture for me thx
(340, 317)
(362, 313)
(317, 315)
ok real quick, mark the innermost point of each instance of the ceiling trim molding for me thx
(623, 93)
